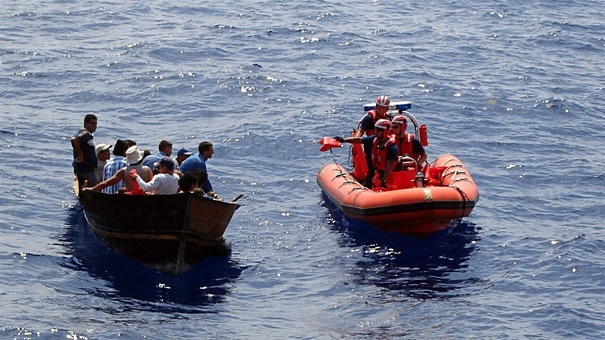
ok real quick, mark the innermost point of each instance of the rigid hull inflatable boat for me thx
(419, 211)
(416, 200)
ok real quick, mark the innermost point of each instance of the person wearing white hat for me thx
(103, 155)
(133, 158)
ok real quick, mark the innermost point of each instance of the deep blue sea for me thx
(515, 89)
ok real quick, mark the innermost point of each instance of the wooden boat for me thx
(170, 233)
(410, 204)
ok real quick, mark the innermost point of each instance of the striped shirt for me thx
(110, 169)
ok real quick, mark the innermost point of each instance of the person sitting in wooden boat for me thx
(384, 151)
(407, 143)
(114, 165)
(192, 182)
(166, 182)
(188, 183)
(182, 155)
(103, 156)
(134, 156)
(165, 149)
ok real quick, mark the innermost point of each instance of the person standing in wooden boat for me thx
(85, 157)
(198, 161)
(384, 151)
(166, 182)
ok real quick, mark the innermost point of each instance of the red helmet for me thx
(383, 101)
(399, 119)
(382, 124)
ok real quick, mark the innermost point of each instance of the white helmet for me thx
(383, 101)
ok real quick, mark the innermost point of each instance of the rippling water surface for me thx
(515, 89)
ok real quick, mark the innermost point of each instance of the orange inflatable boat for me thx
(447, 193)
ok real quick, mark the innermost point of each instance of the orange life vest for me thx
(371, 113)
(379, 153)
(406, 146)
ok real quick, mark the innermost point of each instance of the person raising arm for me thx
(166, 182)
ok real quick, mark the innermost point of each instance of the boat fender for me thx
(424, 137)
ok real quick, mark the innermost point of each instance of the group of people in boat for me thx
(135, 171)
(386, 144)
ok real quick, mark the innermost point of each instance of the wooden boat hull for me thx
(416, 211)
(170, 233)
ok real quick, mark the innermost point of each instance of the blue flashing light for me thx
(393, 106)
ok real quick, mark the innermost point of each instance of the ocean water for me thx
(515, 89)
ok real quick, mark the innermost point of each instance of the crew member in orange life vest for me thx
(407, 144)
(383, 146)
(367, 122)
(366, 125)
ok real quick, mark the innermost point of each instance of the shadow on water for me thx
(208, 282)
(429, 268)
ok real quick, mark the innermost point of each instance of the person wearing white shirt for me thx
(166, 182)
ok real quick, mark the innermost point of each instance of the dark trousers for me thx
(88, 177)
(370, 175)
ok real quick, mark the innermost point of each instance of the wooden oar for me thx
(237, 197)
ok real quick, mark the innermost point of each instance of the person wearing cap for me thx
(134, 156)
(165, 149)
(198, 161)
(84, 153)
(166, 182)
(102, 156)
(384, 152)
(407, 144)
(182, 155)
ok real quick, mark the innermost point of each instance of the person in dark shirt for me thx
(84, 153)
(384, 152)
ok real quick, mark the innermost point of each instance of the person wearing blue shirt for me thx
(165, 150)
(198, 161)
